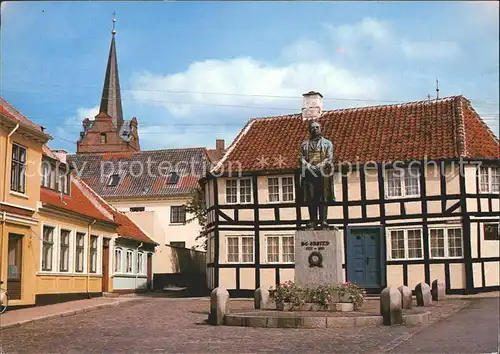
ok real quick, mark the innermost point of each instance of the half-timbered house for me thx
(417, 197)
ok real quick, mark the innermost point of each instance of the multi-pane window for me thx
(178, 214)
(62, 182)
(446, 242)
(18, 171)
(118, 260)
(280, 248)
(489, 179)
(240, 249)
(280, 189)
(64, 251)
(405, 244)
(128, 261)
(238, 191)
(140, 263)
(79, 252)
(93, 253)
(491, 232)
(46, 174)
(47, 248)
(403, 183)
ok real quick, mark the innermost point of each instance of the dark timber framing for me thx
(452, 208)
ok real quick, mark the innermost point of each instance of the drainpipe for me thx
(88, 257)
(137, 271)
(4, 196)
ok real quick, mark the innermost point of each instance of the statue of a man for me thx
(317, 182)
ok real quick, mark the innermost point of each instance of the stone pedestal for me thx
(438, 290)
(423, 294)
(318, 257)
(406, 298)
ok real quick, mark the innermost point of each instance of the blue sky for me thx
(192, 72)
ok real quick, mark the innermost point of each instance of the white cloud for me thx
(367, 29)
(249, 77)
(73, 125)
(429, 50)
(304, 50)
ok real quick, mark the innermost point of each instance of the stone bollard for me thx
(390, 306)
(261, 299)
(406, 298)
(219, 306)
(423, 294)
(438, 290)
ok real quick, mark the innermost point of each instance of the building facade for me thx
(58, 238)
(416, 197)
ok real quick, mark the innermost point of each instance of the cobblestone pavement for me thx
(156, 325)
(471, 330)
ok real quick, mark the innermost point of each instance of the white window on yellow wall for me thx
(48, 248)
(18, 169)
(280, 189)
(128, 261)
(280, 248)
(240, 249)
(238, 191)
(79, 252)
(64, 251)
(118, 260)
(93, 253)
(405, 244)
(489, 179)
(446, 242)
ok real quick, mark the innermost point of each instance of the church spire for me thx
(111, 101)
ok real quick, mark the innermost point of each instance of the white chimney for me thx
(312, 105)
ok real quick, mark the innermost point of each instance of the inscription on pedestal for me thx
(318, 257)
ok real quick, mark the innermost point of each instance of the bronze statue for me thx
(317, 182)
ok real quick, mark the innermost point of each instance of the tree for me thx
(197, 207)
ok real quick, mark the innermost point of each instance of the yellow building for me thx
(58, 238)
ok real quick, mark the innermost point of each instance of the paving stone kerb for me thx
(406, 297)
(438, 290)
(219, 306)
(391, 307)
(309, 322)
(423, 294)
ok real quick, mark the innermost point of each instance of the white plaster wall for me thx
(161, 208)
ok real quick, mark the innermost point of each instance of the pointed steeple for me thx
(111, 100)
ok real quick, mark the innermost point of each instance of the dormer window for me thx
(173, 178)
(104, 138)
(113, 180)
(62, 183)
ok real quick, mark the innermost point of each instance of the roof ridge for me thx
(92, 195)
(134, 152)
(478, 117)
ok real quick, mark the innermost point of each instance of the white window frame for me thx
(280, 248)
(280, 190)
(85, 250)
(405, 238)
(22, 175)
(115, 260)
(240, 248)
(140, 262)
(70, 244)
(131, 253)
(403, 171)
(55, 251)
(97, 255)
(238, 190)
(489, 176)
(446, 245)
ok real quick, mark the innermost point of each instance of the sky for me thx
(193, 72)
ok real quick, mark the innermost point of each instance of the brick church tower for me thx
(109, 132)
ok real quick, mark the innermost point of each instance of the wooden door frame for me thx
(382, 253)
(149, 271)
(20, 243)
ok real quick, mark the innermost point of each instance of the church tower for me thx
(109, 132)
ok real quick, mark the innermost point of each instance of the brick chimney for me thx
(61, 155)
(312, 105)
(220, 145)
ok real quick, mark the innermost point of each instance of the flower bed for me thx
(289, 297)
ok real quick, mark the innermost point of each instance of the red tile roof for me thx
(437, 129)
(8, 111)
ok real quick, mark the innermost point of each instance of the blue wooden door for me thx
(363, 257)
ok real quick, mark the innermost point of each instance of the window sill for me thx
(128, 275)
(444, 258)
(177, 224)
(403, 196)
(20, 195)
(405, 259)
(67, 274)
